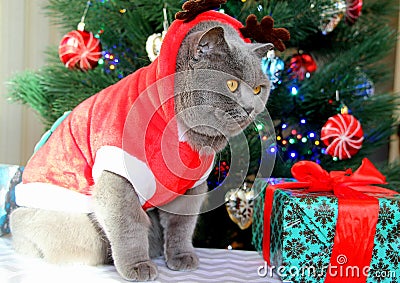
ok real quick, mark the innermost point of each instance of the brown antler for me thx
(192, 8)
(265, 32)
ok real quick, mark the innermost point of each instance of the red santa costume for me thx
(128, 128)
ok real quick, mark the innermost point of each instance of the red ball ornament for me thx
(79, 49)
(302, 64)
(343, 136)
(353, 10)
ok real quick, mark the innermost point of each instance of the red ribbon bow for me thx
(357, 213)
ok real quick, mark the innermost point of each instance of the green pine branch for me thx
(347, 57)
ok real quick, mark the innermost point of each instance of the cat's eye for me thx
(257, 90)
(232, 85)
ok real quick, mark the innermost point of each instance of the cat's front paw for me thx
(183, 261)
(142, 271)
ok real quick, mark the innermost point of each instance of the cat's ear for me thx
(261, 49)
(210, 40)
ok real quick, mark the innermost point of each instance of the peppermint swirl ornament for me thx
(79, 49)
(343, 136)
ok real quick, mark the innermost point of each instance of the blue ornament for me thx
(273, 66)
(365, 87)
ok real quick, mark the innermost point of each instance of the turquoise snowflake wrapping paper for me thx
(10, 176)
(303, 228)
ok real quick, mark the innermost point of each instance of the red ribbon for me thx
(357, 214)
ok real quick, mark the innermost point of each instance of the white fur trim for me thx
(110, 158)
(181, 133)
(52, 197)
(205, 176)
(118, 161)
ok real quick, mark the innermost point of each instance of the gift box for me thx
(258, 208)
(329, 227)
(10, 176)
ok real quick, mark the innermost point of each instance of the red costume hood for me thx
(127, 128)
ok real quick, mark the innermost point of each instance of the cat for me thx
(219, 89)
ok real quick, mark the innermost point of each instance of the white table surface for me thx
(216, 265)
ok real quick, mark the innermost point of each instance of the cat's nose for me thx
(249, 110)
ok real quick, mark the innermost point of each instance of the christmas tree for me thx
(331, 64)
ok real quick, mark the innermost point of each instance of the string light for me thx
(297, 143)
(110, 62)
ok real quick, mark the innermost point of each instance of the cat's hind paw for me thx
(142, 271)
(183, 261)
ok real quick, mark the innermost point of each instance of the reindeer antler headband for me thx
(192, 8)
(263, 32)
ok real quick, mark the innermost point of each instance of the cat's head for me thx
(219, 86)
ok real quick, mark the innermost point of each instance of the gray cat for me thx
(219, 89)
